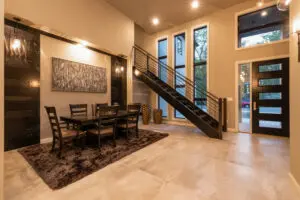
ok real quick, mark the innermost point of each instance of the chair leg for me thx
(127, 134)
(137, 132)
(83, 141)
(99, 142)
(114, 139)
(53, 144)
(60, 148)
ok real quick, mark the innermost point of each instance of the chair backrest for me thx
(98, 106)
(54, 123)
(78, 109)
(110, 111)
(135, 109)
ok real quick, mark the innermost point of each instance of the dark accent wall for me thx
(22, 92)
(119, 82)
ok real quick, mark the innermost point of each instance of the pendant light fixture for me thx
(283, 5)
(16, 44)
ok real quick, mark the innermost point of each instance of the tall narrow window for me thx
(179, 60)
(263, 26)
(162, 72)
(200, 67)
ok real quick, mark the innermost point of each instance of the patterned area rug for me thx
(76, 163)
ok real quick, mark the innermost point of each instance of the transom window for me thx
(200, 67)
(179, 57)
(263, 26)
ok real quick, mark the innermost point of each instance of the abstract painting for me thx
(69, 76)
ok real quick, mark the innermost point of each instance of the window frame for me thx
(248, 11)
(179, 66)
(158, 73)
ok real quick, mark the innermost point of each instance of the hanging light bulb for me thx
(16, 44)
(122, 69)
(137, 72)
(283, 5)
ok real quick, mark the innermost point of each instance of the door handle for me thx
(254, 105)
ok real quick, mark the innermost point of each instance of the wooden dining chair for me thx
(106, 125)
(98, 106)
(59, 131)
(78, 109)
(132, 121)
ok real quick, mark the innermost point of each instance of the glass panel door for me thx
(270, 97)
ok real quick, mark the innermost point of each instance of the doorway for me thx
(270, 97)
(263, 97)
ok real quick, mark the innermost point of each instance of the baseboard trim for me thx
(46, 140)
(232, 130)
(295, 183)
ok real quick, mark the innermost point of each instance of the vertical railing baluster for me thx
(225, 114)
(220, 118)
(147, 63)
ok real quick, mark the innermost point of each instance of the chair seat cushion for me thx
(124, 125)
(70, 132)
(102, 131)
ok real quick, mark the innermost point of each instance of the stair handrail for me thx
(218, 102)
(186, 80)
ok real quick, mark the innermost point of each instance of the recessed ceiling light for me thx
(195, 4)
(155, 21)
(260, 3)
(84, 43)
(287, 2)
(264, 13)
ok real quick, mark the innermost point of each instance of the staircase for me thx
(208, 117)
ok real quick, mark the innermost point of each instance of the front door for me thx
(270, 97)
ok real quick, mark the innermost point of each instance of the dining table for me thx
(83, 121)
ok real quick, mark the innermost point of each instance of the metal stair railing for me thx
(211, 104)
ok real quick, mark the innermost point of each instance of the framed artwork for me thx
(69, 76)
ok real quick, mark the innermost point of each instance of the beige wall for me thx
(54, 48)
(1, 97)
(222, 53)
(92, 20)
(294, 94)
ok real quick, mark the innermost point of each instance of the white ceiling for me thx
(170, 12)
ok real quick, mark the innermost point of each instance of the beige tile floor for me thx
(184, 166)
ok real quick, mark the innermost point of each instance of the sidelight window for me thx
(162, 72)
(200, 67)
(179, 56)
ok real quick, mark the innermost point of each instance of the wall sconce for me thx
(34, 84)
(119, 68)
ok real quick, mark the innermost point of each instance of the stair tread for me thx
(200, 118)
